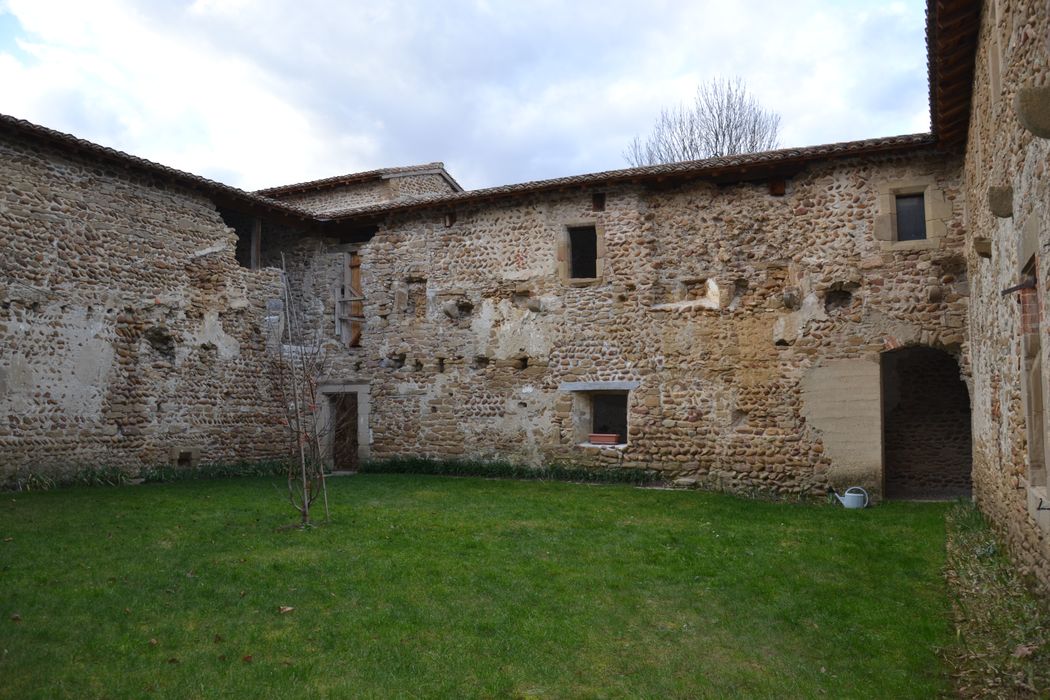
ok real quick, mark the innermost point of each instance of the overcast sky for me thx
(257, 93)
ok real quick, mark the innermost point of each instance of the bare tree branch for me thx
(298, 359)
(723, 120)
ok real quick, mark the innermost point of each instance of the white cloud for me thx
(260, 92)
(101, 71)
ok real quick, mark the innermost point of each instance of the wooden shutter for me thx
(349, 305)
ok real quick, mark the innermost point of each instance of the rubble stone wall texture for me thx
(714, 304)
(361, 194)
(127, 329)
(1013, 51)
(419, 185)
(337, 198)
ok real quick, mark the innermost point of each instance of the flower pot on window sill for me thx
(604, 439)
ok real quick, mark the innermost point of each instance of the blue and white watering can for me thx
(855, 497)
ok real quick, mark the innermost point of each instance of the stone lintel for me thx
(599, 386)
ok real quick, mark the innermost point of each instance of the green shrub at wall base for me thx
(30, 480)
(506, 470)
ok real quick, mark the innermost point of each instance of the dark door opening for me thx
(344, 437)
(926, 425)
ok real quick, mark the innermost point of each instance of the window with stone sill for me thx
(911, 214)
(609, 417)
(599, 408)
(911, 217)
(583, 252)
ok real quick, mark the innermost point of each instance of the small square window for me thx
(583, 252)
(598, 201)
(911, 217)
(609, 415)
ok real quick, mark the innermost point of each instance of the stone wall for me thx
(713, 306)
(337, 198)
(1013, 51)
(408, 186)
(127, 330)
(361, 194)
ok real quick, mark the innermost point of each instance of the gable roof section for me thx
(435, 168)
(220, 193)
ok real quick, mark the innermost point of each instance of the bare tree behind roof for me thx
(723, 120)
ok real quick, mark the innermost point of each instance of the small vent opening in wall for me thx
(185, 460)
(161, 340)
(837, 299)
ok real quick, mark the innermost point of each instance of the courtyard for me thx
(424, 586)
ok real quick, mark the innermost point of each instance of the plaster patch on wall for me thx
(16, 377)
(211, 331)
(93, 363)
(789, 327)
(509, 330)
(842, 400)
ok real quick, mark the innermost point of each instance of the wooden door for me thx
(344, 439)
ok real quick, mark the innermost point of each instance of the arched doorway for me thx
(926, 425)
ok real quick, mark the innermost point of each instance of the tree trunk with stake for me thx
(299, 361)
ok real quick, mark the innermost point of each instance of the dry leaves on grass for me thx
(1001, 625)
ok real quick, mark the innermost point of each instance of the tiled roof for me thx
(354, 178)
(68, 142)
(951, 44)
(724, 169)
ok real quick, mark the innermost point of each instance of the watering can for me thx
(855, 497)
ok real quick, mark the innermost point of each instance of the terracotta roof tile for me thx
(952, 27)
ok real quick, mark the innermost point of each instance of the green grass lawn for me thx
(443, 587)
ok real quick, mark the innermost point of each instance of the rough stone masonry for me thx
(867, 313)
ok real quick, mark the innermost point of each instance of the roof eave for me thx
(218, 192)
(748, 167)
